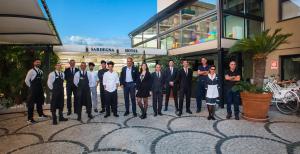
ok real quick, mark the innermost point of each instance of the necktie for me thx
(186, 71)
(171, 70)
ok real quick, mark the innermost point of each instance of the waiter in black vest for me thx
(56, 85)
(71, 88)
(36, 93)
(81, 81)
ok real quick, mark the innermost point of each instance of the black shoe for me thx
(116, 115)
(43, 116)
(126, 113)
(78, 118)
(96, 110)
(198, 111)
(31, 121)
(237, 118)
(160, 114)
(102, 111)
(166, 109)
(228, 116)
(69, 113)
(189, 111)
(213, 118)
(155, 114)
(90, 116)
(107, 115)
(63, 119)
(134, 114)
(209, 118)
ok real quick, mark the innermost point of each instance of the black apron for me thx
(83, 91)
(57, 101)
(36, 92)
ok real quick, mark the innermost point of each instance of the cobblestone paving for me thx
(162, 134)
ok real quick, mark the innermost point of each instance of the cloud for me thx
(114, 41)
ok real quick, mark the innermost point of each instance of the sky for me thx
(99, 22)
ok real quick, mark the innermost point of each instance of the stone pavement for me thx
(162, 134)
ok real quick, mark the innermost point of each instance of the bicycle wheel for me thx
(289, 104)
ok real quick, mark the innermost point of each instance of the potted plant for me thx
(255, 100)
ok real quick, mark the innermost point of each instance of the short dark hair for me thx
(91, 64)
(103, 62)
(72, 60)
(171, 60)
(212, 66)
(203, 58)
(157, 64)
(110, 63)
(83, 63)
(36, 59)
(184, 60)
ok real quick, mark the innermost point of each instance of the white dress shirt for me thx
(51, 78)
(77, 77)
(94, 78)
(110, 81)
(31, 74)
(128, 75)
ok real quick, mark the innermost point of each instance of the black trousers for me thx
(168, 91)
(111, 99)
(71, 89)
(102, 96)
(30, 107)
(57, 102)
(84, 100)
(157, 101)
(184, 92)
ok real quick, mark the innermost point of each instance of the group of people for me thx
(138, 86)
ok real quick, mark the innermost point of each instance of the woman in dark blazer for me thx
(143, 89)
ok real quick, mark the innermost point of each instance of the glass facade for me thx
(241, 18)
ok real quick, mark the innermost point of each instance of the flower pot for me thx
(256, 106)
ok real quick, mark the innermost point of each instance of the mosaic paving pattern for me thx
(191, 133)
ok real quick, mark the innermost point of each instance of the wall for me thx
(288, 26)
(162, 4)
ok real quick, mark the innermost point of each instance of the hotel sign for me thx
(101, 49)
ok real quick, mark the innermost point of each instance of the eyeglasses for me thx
(213, 69)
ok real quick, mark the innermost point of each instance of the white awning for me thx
(27, 22)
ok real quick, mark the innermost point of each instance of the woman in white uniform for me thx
(212, 83)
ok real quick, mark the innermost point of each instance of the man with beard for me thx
(36, 93)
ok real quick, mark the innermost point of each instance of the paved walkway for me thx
(162, 134)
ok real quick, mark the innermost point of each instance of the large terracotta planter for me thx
(256, 106)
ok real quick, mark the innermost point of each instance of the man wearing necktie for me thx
(82, 82)
(158, 82)
(184, 80)
(56, 85)
(171, 74)
(71, 88)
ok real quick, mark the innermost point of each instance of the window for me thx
(151, 44)
(233, 27)
(290, 66)
(197, 8)
(150, 32)
(137, 38)
(253, 27)
(200, 32)
(169, 23)
(236, 6)
(254, 7)
(289, 9)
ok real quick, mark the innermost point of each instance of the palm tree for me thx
(259, 46)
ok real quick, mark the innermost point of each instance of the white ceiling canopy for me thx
(27, 22)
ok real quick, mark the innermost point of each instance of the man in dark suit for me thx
(170, 74)
(100, 77)
(184, 79)
(128, 80)
(71, 88)
(158, 82)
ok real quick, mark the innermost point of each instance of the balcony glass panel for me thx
(233, 27)
(150, 32)
(234, 5)
(137, 38)
(169, 23)
(151, 44)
